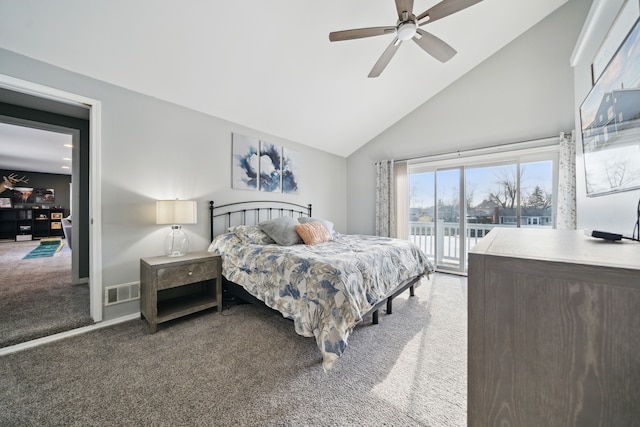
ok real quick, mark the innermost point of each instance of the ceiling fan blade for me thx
(434, 46)
(445, 8)
(404, 6)
(385, 58)
(359, 33)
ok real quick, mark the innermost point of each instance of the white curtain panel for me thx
(402, 199)
(385, 210)
(566, 210)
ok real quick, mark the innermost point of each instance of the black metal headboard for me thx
(236, 213)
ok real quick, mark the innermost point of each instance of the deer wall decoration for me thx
(10, 182)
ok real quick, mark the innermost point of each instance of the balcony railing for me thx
(447, 238)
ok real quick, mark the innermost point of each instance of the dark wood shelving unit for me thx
(20, 224)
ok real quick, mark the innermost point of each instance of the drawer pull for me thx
(190, 273)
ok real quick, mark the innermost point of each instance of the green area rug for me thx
(46, 248)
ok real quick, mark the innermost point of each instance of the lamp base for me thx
(176, 243)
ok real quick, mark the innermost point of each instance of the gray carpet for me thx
(37, 298)
(247, 367)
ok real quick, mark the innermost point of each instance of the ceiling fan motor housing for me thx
(407, 29)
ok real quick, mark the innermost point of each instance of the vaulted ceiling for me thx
(267, 65)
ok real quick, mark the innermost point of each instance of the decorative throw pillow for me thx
(281, 230)
(327, 224)
(251, 235)
(313, 233)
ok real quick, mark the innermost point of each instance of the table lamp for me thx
(176, 213)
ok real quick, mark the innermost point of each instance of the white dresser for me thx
(554, 330)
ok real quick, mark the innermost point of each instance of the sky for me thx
(481, 181)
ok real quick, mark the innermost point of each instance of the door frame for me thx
(95, 175)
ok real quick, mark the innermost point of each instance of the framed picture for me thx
(22, 195)
(263, 166)
(623, 23)
(45, 195)
(270, 167)
(610, 123)
(244, 169)
(5, 202)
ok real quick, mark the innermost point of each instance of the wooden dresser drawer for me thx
(179, 275)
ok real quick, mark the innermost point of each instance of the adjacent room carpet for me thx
(37, 298)
(247, 367)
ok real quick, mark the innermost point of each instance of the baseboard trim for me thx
(62, 335)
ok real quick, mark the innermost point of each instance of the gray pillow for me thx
(281, 230)
(327, 224)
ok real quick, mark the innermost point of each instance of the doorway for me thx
(86, 198)
(39, 148)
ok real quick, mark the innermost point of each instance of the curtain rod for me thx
(543, 142)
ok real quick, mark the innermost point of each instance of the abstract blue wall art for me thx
(245, 163)
(270, 167)
(290, 171)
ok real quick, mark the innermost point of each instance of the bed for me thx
(326, 287)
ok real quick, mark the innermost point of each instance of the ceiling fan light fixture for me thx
(406, 30)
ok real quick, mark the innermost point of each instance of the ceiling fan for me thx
(407, 28)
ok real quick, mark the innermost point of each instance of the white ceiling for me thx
(34, 150)
(267, 65)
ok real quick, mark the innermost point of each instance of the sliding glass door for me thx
(435, 214)
(491, 198)
(422, 211)
(452, 208)
(449, 245)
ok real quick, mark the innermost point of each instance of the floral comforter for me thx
(326, 288)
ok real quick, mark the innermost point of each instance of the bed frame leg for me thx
(375, 318)
(390, 299)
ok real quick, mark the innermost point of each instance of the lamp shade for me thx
(176, 212)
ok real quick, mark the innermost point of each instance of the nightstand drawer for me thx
(173, 276)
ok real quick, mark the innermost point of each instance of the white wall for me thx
(523, 92)
(614, 212)
(153, 149)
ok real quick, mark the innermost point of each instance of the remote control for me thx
(603, 235)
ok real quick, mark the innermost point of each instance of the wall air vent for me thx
(117, 294)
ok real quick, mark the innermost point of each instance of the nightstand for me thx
(172, 287)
